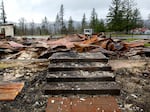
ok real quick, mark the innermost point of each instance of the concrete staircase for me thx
(80, 73)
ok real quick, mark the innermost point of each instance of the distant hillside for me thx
(51, 24)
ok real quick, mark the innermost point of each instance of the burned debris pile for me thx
(74, 64)
(37, 48)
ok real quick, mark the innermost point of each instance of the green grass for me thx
(122, 35)
(131, 39)
(147, 44)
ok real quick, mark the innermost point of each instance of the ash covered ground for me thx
(134, 81)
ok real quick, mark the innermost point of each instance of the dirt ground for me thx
(134, 82)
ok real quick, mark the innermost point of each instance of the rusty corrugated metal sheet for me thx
(133, 44)
(67, 41)
(88, 104)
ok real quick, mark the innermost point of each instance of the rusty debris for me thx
(134, 44)
(43, 48)
(87, 104)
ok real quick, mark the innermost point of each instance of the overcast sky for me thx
(38, 9)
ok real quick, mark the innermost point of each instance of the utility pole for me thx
(3, 14)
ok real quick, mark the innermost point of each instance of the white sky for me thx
(37, 9)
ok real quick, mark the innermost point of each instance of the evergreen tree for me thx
(128, 7)
(115, 16)
(95, 23)
(123, 16)
(83, 23)
(132, 16)
(70, 25)
(136, 19)
(93, 19)
(101, 26)
(61, 17)
(57, 24)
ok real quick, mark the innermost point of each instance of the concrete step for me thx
(90, 88)
(84, 68)
(78, 57)
(58, 60)
(79, 76)
(78, 64)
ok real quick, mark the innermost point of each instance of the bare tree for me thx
(3, 14)
(22, 26)
(45, 26)
(32, 27)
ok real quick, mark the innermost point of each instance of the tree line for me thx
(123, 16)
(60, 26)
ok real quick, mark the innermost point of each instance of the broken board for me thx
(9, 90)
